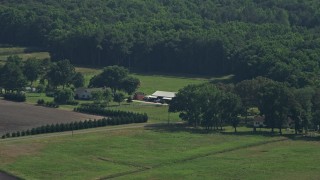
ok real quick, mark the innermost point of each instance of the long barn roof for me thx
(164, 94)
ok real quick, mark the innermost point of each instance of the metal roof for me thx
(164, 94)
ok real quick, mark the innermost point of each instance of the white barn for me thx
(164, 95)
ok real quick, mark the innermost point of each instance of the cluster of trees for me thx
(17, 97)
(62, 127)
(118, 81)
(116, 78)
(16, 74)
(250, 38)
(214, 106)
(207, 105)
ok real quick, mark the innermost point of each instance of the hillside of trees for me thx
(278, 39)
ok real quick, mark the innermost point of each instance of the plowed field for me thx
(22, 116)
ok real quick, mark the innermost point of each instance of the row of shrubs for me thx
(98, 110)
(62, 127)
(52, 104)
(41, 102)
(17, 97)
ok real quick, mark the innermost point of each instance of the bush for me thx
(13, 134)
(17, 97)
(73, 103)
(129, 100)
(119, 97)
(51, 104)
(40, 102)
(63, 96)
(41, 88)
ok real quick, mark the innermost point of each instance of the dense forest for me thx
(278, 39)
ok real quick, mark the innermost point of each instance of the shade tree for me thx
(32, 70)
(61, 73)
(115, 78)
(274, 104)
(78, 80)
(119, 97)
(12, 77)
(206, 105)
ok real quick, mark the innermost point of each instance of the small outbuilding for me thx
(258, 121)
(160, 96)
(139, 96)
(165, 95)
(85, 93)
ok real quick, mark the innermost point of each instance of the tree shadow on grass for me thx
(174, 128)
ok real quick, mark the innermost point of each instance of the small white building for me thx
(161, 95)
(30, 89)
(164, 95)
(85, 93)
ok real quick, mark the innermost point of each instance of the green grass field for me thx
(23, 52)
(153, 82)
(161, 153)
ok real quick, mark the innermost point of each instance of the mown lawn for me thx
(152, 82)
(161, 153)
(23, 52)
(292, 159)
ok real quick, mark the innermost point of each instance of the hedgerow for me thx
(97, 110)
(17, 97)
(87, 124)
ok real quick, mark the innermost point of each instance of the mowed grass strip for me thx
(282, 160)
(151, 82)
(84, 156)
(156, 113)
(12, 50)
(25, 56)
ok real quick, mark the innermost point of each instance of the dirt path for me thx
(22, 116)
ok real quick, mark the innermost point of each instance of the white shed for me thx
(164, 95)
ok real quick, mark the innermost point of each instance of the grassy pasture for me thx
(153, 82)
(23, 52)
(282, 160)
(161, 153)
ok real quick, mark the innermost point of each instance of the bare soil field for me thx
(22, 116)
(4, 176)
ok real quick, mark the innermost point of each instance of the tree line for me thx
(215, 106)
(249, 38)
(54, 77)
(16, 74)
(62, 127)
